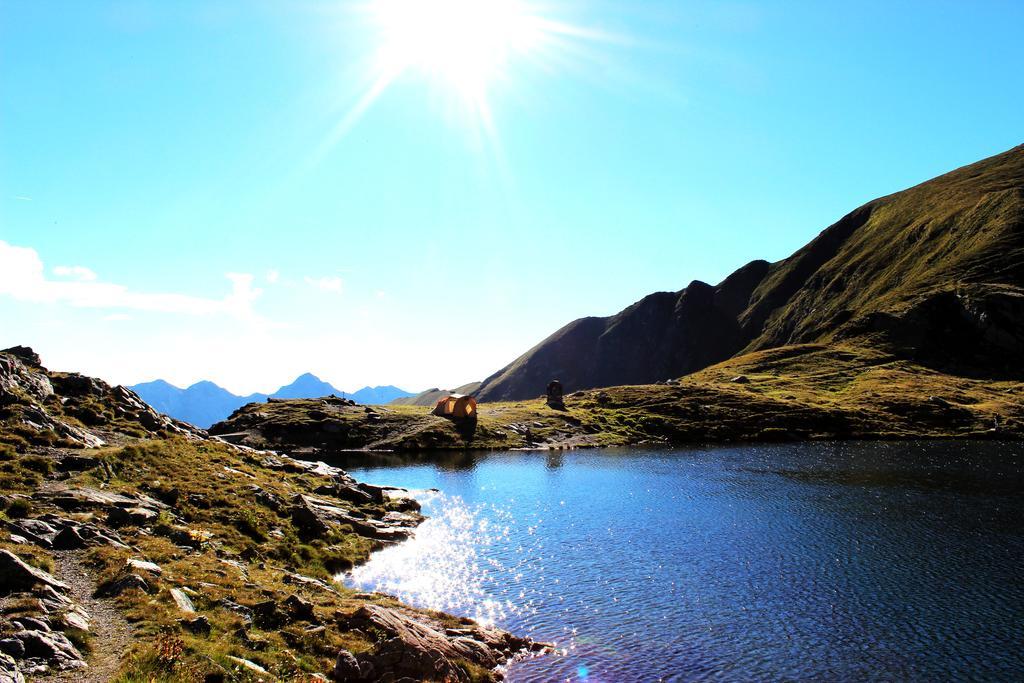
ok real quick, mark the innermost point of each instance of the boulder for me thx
(309, 581)
(31, 624)
(143, 565)
(53, 647)
(411, 644)
(12, 647)
(121, 584)
(199, 626)
(268, 615)
(16, 575)
(50, 600)
(247, 666)
(182, 601)
(95, 536)
(306, 517)
(131, 516)
(85, 498)
(23, 374)
(299, 609)
(68, 538)
(346, 667)
(75, 618)
(345, 492)
(36, 531)
(9, 672)
(398, 499)
(267, 499)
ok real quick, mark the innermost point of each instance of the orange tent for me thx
(456, 406)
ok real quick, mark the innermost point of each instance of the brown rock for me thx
(17, 576)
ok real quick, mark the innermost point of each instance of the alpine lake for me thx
(811, 561)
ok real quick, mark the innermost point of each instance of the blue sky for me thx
(192, 190)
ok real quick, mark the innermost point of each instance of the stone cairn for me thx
(555, 395)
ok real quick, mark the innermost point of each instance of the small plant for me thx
(249, 524)
(19, 508)
(169, 649)
(37, 463)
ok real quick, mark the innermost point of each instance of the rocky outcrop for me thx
(69, 409)
(37, 644)
(414, 646)
(315, 517)
(18, 576)
(9, 672)
(59, 533)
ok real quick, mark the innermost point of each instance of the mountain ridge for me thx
(204, 403)
(916, 272)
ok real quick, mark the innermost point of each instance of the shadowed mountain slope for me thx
(934, 273)
(432, 396)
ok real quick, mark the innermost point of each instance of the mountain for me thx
(378, 396)
(934, 274)
(307, 385)
(201, 404)
(432, 396)
(205, 403)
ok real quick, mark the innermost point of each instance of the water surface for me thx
(857, 561)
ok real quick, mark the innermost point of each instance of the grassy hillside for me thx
(933, 274)
(959, 236)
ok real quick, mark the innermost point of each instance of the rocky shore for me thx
(137, 548)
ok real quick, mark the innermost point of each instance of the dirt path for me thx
(111, 633)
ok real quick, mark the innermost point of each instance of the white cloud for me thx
(115, 317)
(273, 276)
(22, 277)
(327, 283)
(80, 273)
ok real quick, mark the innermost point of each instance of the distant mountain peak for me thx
(205, 403)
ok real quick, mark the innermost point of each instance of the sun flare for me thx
(467, 49)
(464, 44)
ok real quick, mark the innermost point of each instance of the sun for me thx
(465, 47)
(463, 44)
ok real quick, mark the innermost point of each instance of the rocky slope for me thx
(136, 548)
(933, 274)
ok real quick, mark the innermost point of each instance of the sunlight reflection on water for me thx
(445, 566)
